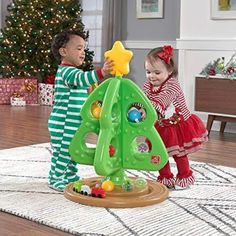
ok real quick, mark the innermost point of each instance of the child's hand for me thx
(92, 87)
(107, 67)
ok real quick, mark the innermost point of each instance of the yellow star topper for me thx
(121, 58)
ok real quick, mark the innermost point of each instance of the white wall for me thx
(195, 21)
(201, 41)
(141, 35)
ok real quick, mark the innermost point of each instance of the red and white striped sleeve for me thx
(164, 98)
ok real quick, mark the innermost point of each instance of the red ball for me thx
(112, 150)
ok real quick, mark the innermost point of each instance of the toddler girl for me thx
(183, 132)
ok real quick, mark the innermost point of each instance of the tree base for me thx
(152, 193)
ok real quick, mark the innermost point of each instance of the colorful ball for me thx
(127, 186)
(112, 150)
(108, 186)
(96, 112)
(134, 115)
(143, 147)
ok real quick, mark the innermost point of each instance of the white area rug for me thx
(207, 208)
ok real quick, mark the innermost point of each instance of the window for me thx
(92, 19)
(0, 14)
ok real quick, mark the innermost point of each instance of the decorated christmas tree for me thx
(25, 45)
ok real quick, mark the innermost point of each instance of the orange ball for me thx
(96, 112)
(108, 186)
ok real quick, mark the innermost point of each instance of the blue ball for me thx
(134, 115)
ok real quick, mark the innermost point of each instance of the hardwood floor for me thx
(22, 126)
(219, 150)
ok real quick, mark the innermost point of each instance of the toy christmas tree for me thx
(25, 43)
(115, 129)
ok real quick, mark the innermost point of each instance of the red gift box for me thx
(26, 86)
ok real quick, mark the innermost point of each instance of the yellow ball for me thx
(96, 112)
(108, 186)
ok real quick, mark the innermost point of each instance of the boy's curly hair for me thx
(61, 39)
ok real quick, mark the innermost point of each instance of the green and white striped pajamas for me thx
(70, 94)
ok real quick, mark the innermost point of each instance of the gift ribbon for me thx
(16, 95)
(28, 87)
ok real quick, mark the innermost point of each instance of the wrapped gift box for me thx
(26, 86)
(18, 101)
(46, 94)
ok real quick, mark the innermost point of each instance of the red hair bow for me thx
(166, 54)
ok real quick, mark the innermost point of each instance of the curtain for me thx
(111, 23)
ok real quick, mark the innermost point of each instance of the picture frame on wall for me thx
(223, 9)
(149, 8)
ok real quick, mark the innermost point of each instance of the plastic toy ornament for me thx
(96, 111)
(112, 150)
(143, 147)
(121, 58)
(134, 115)
(127, 186)
(140, 183)
(108, 186)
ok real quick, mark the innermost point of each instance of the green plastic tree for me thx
(114, 128)
(25, 45)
